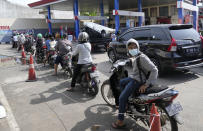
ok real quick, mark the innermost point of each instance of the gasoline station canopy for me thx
(116, 7)
(90, 5)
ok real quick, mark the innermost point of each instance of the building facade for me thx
(23, 19)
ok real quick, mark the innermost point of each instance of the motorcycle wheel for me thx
(94, 89)
(107, 93)
(167, 123)
(51, 62)
(69, 72)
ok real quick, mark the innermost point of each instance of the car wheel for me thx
(158, 65)
(112, 56)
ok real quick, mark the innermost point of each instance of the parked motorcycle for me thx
(33, 50)
(139, 105)
(52, 54)
(88, 78)
(67, 65)
(41, 53)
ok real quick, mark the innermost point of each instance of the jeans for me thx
(128, 86)
(76, 72)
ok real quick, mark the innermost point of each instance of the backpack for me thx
(141, 70)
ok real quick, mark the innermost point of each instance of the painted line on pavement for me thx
(10, 117)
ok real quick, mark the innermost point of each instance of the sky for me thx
(22, 2)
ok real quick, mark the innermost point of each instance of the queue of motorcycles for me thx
(88, 78)
(139, 105)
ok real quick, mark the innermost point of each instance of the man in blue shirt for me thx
(47, 42)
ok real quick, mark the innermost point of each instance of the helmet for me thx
(83, 37)
(39, 35)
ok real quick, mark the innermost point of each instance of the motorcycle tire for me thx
(173, 123)
(94, 87)
(51, 62)
(106, 96)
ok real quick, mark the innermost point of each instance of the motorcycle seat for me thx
(86, 65)
(86, 68)
(155, 89)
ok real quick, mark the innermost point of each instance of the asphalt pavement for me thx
(45, 105)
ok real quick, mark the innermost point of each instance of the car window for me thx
(158, 34)
(181, 34)
(142, 34)
(127, 36)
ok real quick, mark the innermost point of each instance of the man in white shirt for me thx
(15, 41)
(84, 51)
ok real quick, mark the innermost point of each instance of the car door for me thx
(142, 36)
(121, 47)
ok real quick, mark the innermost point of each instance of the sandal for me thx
(116, 126)
(70, 89)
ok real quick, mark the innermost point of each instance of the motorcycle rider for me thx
(21, 41)
(62, 49)
(137, 81)
(39, 43)
(84, 51)
(47, 42)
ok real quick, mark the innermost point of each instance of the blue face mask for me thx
(134, 52)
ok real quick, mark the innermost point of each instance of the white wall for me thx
(10, 10)
(21, 23)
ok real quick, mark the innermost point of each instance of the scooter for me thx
(41, 53)
(88, 78)
(67, 65)
(139, 105)
(52, 54)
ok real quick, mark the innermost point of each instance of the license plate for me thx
(94, 74)
(192, 50)
(174, 109)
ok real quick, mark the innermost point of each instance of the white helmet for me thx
(83, 37)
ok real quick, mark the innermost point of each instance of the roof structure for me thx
(84, 5)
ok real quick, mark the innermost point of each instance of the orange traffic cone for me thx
(23, 56)
(155, 124)
(32, 75)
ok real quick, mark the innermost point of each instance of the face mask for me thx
(134, 52)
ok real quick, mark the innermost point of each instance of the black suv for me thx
(175, 46)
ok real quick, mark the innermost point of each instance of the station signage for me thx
(4, 27)
(92, 17)
(127, 13)
(184, 5)
(61, 21)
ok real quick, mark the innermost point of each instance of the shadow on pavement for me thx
(177, 77)
(59, 92)
(99, 118)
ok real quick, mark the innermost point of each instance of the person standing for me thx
(15, 41)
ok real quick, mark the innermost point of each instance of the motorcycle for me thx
(52, 54)
(67, 65)
(41, 53)
(88, 78)
(139, 105)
